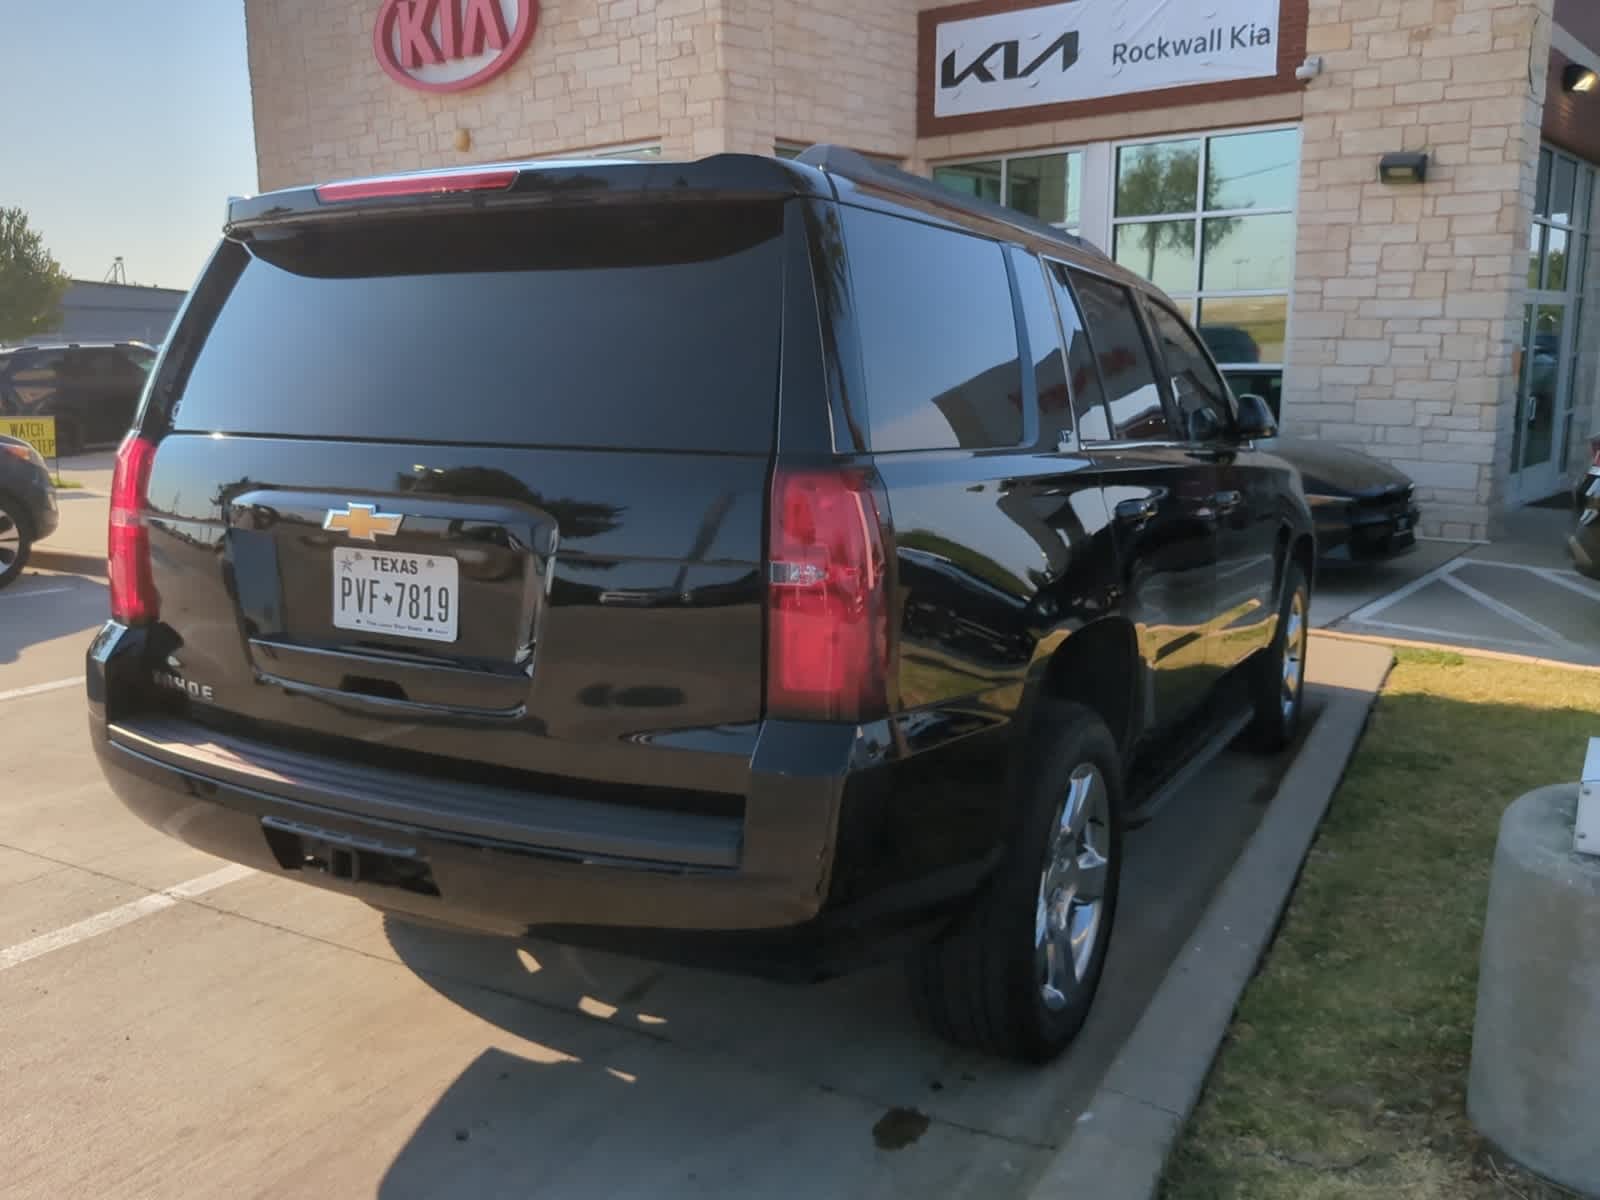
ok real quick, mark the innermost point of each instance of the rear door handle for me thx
(1226, 502)
(1140, 511)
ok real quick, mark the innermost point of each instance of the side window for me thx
(38, 370)
(1088, 396)
(1137, 413)
(938, 335)
(1198, 390)
(1044, 346)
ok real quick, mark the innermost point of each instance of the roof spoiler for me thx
(526, 184)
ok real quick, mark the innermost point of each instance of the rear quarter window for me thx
(938, 333)
(609, 327)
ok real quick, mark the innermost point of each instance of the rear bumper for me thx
(751, 894)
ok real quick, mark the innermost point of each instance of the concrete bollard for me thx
(1535, 1086)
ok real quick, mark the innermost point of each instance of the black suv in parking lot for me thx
(92, 389)
(773, 565)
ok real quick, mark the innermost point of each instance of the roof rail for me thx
(859, 169)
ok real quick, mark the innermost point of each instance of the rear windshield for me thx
(609, 327)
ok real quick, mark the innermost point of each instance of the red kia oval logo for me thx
(451, 45)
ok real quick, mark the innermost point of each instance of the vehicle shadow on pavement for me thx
(27, 620)
(697, 1082)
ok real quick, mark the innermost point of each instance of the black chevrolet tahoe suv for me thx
(770, 565)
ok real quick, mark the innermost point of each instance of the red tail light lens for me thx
(827, 598)
(133, 591)
(437, 183)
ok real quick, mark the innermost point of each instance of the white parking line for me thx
(1515, 616)
(39, 689)
(115, 918)
(36, 592)
(1366, 613)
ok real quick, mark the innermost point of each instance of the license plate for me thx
(404, 595)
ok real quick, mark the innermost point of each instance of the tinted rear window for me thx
(938, 335)
(608, 327)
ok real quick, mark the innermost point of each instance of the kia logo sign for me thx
(451, 45)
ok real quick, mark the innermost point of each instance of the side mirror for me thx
(1255, 419)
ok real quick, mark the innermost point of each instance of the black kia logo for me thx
(1010, 63)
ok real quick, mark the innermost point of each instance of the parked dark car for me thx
(90, 388)
(707, 560)
(1584, 541)
(27, 505)
(1365, 508)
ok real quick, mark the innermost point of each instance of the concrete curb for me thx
(1121, 1142)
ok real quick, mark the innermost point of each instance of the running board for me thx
(1216, 739)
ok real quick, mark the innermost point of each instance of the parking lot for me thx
(184, 1027)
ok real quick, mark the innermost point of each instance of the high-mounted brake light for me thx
(437, 183)
(134, 600)
(827, 598)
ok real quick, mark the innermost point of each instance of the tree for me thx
(31, 281)
(1166, 180)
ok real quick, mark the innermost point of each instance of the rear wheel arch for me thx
(1098, 667)
(1300, 549)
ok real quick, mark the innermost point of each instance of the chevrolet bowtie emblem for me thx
(362, 522)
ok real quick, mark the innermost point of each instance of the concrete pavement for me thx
(258, 1037)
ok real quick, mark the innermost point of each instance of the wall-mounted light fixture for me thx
(1403, 168)
(1579, 78)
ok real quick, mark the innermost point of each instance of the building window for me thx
(1046, 186)
(1210, 220)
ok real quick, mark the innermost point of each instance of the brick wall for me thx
(598, 72)
(697, 76)
(1408, 300)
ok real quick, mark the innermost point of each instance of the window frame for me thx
(1157, 361)
(1098, 221)
(1006, 159)
(1230, 406)
(1199, 294)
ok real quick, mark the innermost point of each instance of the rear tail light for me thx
(827, 598)
(434, 183)
(133, 591)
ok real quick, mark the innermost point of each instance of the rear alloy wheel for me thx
(1017, 972)
(1280, 679)
(14, 541)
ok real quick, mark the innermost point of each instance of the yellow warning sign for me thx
(38, 432)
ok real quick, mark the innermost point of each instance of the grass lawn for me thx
(1345, 1072)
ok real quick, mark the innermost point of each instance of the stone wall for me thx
(598, 73)
(693, 76)
(1408, 299)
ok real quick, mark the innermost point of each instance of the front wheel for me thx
(1279, 684)
(14, 541)
(1015, 976)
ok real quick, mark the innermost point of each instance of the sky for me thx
(124, 127)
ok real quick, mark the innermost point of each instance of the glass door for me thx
(1541, 444)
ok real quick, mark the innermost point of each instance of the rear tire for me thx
(1279, 682)
(15, 542)
(1017, 972)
